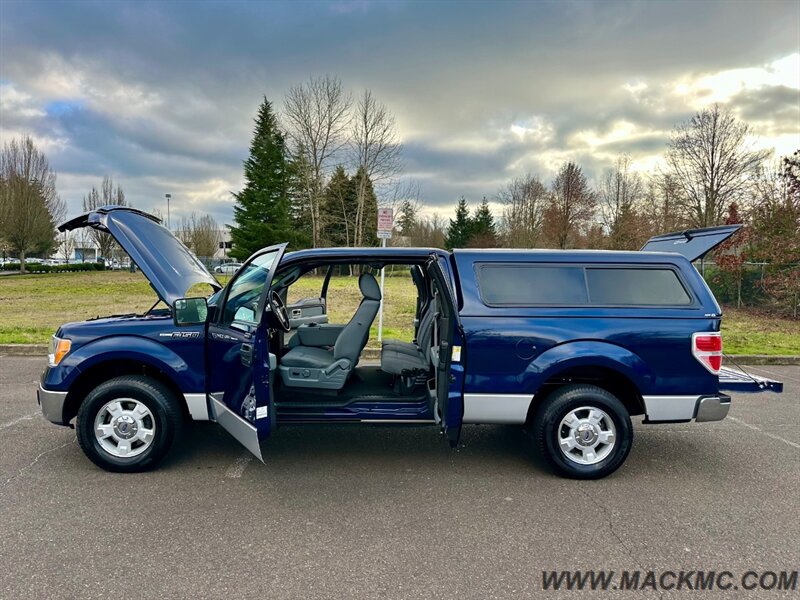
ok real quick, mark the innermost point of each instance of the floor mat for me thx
(366, 383)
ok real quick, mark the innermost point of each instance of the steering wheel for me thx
(279, 310)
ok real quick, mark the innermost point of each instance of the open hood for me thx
(692, 243)
(170, 266)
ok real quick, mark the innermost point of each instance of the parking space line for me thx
(237, 468)
(773, 373)
(766, 433)
(19, 420)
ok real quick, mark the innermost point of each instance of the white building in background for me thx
(76, 246)
(223, 245)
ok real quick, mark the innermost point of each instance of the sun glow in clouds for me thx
(724, 85)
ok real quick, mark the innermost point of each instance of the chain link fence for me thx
(762, 285)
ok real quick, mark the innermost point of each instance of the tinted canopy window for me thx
(524, 285)
(568, 285)
(660, 287)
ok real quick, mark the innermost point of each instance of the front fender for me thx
(591, 354)
(123, 347)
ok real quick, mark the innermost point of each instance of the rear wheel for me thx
(583, 431)
(128, 424)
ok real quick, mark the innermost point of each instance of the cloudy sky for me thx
(161, 96)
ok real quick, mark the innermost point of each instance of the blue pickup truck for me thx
(569, 344)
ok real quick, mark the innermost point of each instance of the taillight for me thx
(707, 348)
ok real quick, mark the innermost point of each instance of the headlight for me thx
(59, 348)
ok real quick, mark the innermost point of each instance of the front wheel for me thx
(583, 431)
(128, 424)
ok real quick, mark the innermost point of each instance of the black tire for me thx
(546, 429)
(163, 406)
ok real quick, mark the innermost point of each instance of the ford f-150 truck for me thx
(570, 344)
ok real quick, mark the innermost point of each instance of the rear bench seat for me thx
(398, 358)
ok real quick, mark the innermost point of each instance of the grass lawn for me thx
(33, 306)
(753, 332)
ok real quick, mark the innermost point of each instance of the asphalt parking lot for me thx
(351, 511)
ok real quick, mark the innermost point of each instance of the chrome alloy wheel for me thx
(124, 427)
(586, 435)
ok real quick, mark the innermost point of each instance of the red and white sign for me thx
(385, 220)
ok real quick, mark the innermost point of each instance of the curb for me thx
(763, 359)
(375, 353)
(23, 349)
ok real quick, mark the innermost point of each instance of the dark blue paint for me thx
(132, 338)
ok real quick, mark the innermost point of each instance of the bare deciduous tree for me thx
(317, 114)
(621, 193)
(571, 206)
(107, 195)
(200, 234)
(29, 204)
(524, 200)
(376, 148)
(664, 202)
(67, 246)
(711, 159)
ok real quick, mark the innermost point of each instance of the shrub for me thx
(40, 268)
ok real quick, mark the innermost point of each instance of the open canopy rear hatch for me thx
(692, 243)
(170, 266)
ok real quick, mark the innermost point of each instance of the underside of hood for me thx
(171, 267)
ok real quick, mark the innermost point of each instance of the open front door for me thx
(238, 361)
(448, 356)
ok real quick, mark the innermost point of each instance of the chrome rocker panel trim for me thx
(500, 409)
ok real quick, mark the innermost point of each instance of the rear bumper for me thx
(713, 409)
(680, 409)
(52, 404)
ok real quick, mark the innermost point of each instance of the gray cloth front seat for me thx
(312, 367)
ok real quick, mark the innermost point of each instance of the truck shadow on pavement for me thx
(486, 448)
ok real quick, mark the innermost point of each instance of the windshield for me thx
(247, 288)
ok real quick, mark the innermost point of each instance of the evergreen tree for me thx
(339, 210)
(369, 218)
(261, 212)
(300, 178)
(484, 231)
(407, 219)
(460, 229)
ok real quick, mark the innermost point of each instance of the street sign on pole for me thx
(385, 225)
(385, 221)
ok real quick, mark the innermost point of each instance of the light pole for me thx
(168, 197)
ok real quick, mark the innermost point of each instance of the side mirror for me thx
(190, 311)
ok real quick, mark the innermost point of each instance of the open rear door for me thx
(448, 355)
(692, 243)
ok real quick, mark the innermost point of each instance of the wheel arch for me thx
(109, 368)
(607, 366)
